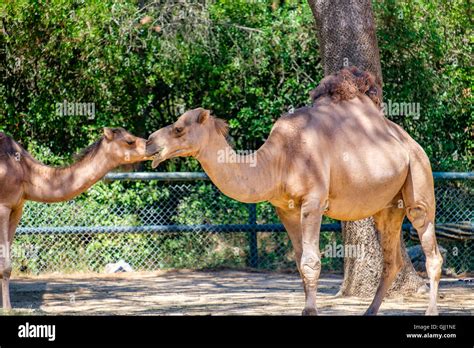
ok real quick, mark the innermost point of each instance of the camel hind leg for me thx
(418, 195)
(388, 223)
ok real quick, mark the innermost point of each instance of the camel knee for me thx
(5, 272)
(417, 216)
(5, 267)
(310, 266)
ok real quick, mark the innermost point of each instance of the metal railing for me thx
(166, 215)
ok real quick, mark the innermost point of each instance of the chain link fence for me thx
(180, 220)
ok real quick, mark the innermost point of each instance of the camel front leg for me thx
(5, 262)
(292, 221)
(15, 217)
(310, 264)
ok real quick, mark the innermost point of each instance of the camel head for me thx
(186, 137)
(123, 147)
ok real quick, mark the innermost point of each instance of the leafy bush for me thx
(142, 66)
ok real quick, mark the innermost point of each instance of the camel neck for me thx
(247, 176)
(48, 184)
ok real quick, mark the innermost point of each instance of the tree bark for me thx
(347, 36)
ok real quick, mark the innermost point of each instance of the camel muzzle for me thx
(152, 149)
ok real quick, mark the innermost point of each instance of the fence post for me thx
(252, 236)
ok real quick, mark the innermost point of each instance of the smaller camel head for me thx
(123, 146)
(186, 137)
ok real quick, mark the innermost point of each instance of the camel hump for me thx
(347, 84)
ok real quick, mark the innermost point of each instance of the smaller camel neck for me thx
(48, 184)
(250, 176)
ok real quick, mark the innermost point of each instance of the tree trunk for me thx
(347, 36)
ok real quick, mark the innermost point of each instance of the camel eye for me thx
(178, 130)
(130, 142)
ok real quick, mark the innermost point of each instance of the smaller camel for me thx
(24, 178)
(339, 157)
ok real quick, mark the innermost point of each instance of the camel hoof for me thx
(432, 311)
(309, 312)
(370, 312)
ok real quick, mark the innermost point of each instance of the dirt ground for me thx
(224, 292)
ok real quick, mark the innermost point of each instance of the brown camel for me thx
(24, 178)
(340, 158)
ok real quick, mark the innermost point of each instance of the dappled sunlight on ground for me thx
(224, 292)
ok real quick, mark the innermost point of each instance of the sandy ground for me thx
(210, 293)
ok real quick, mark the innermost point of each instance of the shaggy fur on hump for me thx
(346, 84)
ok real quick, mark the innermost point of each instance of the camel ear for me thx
(108, 133)
(203, 116)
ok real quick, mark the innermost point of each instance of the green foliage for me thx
(426, 59)
(244, 60)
